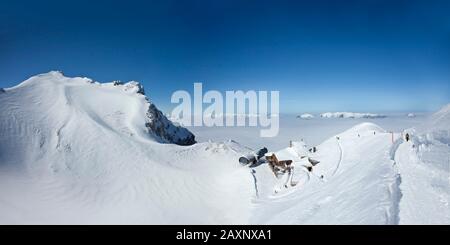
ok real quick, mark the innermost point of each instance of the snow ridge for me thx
(75, 144)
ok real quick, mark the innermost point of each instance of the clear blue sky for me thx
(321, 55)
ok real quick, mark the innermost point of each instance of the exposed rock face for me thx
(157, 123)
(138, 114)
(166, 130)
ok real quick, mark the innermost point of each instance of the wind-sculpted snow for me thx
(75, 151)
(72, 151)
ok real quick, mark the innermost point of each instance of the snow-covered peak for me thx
(121, 107)
(306, 116)
(350, 115)
(134, 87)
(364, 128)
(56, 74)
(52, 77)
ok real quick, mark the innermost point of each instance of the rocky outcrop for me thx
(162, 127)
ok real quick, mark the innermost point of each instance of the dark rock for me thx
(160, 126)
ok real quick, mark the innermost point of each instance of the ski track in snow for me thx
(256, 183)
(361, 192)
(341, 156)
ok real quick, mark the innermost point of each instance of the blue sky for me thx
(321, 55)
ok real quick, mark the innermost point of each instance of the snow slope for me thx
(364, 178)
(74, 151)
(355, 188)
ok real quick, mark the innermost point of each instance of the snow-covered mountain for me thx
(306, 116)
(108, 104)
(74, 151)
(350, 115)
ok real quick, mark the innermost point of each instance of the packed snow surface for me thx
(74, 151)
(424, 164)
